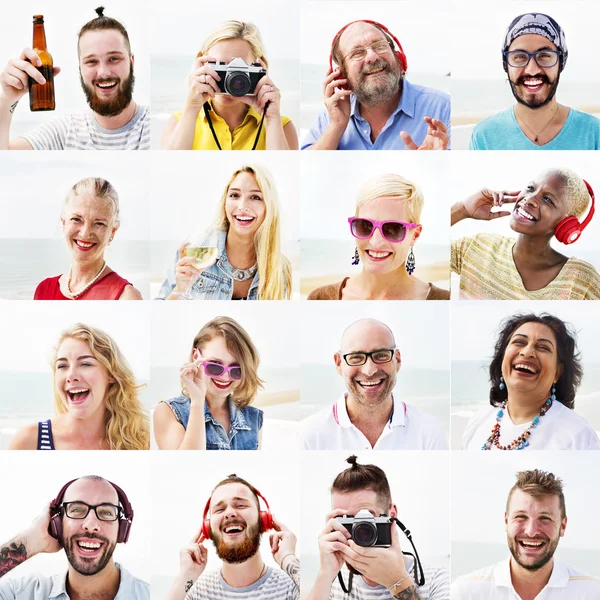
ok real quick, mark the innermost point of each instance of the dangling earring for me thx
(355, 258)
(410, 262)
(502, 384)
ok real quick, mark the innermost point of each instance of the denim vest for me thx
(244, 425)
(214, 283)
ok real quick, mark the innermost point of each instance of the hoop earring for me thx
(355, 258)
(410, 262)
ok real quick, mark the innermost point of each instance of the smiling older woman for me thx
(495, 267)
(535, 373)
(90, 220)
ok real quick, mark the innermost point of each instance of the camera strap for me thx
(207, 108)
(418, 575)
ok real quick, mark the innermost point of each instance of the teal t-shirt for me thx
(581, 131)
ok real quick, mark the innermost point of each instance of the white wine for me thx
(204, 255)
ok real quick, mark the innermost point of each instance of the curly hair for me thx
(127, 423)
(568, 356)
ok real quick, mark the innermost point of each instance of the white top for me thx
(559, 429)
(409, 429)
(494, 583)
(82, 132)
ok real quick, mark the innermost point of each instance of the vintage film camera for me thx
(238, 78)
(367, 530)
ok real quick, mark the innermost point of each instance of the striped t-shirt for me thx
(488, 272)
(436, 587)
(273, 585)
(82, 132)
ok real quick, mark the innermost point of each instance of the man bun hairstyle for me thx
(102, 22)
(364, 477)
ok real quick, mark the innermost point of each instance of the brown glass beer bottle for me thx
(41, 97)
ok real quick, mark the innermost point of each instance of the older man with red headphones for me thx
(235, 526)
(369, 104)
(87, 519)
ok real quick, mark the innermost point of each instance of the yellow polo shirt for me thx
(242, 137)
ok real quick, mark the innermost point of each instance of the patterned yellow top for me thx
(242, 137)
(488, 272)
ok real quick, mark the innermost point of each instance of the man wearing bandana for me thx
(534, 55)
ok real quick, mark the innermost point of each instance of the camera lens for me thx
(237, 83)
(364, 534)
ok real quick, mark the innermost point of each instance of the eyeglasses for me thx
(379, 357)
(392, 231)
(80, 510)
(216, 370)
(520, 59)
(380, 47)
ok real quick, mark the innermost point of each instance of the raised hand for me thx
(436, 138)
(480, 205)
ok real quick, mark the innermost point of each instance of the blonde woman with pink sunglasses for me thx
(386, 227)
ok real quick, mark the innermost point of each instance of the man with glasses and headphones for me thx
(534, 55)
(368, 416)
(360, 548)
(235, 526)
(88, 518)
(369, 104)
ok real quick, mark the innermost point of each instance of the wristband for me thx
(398, 583)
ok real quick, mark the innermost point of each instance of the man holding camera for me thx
(378, 570)
(88, 520)
(368, 416)
(369, 104)
(535, 520)
(235, 527)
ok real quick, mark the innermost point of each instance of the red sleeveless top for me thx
(109, 287)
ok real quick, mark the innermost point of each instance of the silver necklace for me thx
(537, 135)
(74, 295)
(243, 274)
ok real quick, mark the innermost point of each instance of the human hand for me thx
(283, 542)
(202, 82)
(337, 101)
(14, 79)
(480, 204)
(185, 271)
(37, 538)
(385, 566)
(436, 138)
(265, 91)
(193, 558)
(333, 536)
(193, 378)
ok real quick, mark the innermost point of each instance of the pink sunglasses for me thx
(392, 231)
(216, 370)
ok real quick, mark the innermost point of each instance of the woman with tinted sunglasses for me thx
(218, 383)
(385, 227)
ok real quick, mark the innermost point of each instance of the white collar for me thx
(342, 418)
(558, 579)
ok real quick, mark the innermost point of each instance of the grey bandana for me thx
(540, 24)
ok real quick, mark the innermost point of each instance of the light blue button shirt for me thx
(416, 102)
(42, 587)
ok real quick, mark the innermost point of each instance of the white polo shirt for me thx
(494, 583)
(409, 429)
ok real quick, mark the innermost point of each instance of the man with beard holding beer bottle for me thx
(115, 121)
(235, 526)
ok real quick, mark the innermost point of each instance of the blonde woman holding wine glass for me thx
(248, 263)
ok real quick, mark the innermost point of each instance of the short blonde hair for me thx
(238, 342)
(396, 186)
(236, 30)
(577, 196)
(100, 189)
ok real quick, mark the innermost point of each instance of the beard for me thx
(242, 550)
(542, 560)
(386, 85)
(88, 566)
(114, 107)
(360, 395)
(517, 86)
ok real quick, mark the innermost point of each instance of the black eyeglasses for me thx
(80, 510)
(520, 59)
(379, 357)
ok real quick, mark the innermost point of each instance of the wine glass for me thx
(204, 248)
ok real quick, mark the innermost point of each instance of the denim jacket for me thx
(244, 425)
(214, 283)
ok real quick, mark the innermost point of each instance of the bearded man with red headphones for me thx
(369, 104)
(87, 519)
(235, 525)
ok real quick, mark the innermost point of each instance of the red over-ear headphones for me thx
(399, 53)
(266, 519)
(569, 229)
(56, 514)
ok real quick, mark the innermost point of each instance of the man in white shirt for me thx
(114, 121)
(368, 416)
(88, 518)
(535, 520)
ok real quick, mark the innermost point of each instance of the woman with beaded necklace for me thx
(535, 373)
(90, 220)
